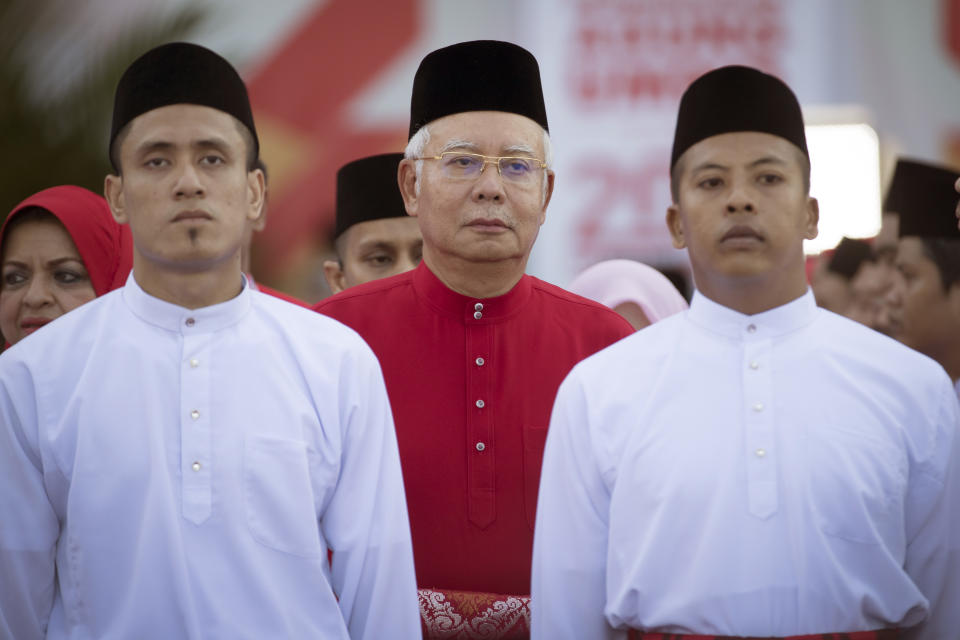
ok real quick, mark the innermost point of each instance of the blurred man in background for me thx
(374, 236)
(925, 299)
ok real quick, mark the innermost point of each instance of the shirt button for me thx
(480, 362)
(477, 315)
(190, 322)
(478, 307)
(760, 453)
(480, 404)
(194, 414)
(754, 365)
(758, 406)
(194, 363)
(751, 328)
(195, 466)
(481, 446)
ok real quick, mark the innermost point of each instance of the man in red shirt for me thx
(473, 350)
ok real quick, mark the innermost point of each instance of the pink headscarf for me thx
(614, 282)
(105, 246)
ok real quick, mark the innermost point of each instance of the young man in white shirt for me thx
(754, 466)
(178, 457)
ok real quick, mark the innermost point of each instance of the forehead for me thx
(182, 123)
(739, 148)
(397, 230)
(489, 130)
(35, 236)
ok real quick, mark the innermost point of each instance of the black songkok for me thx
(924, 196)
(732, 99)
(367, 189)
(848, 257)
(180, 73)
(483, 75)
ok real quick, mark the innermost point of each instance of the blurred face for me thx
(868, 293)
(374, 249)
(185, 190)
(486, 218)
(743, 213)
(923, 315)
(43, 278)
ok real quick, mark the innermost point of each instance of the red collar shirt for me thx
(471, 383)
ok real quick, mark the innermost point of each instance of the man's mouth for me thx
(488, 224)
(185, 216)
(742, 234)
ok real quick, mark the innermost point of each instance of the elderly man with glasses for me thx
(472, 349)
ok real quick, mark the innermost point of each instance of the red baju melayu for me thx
(472, 383)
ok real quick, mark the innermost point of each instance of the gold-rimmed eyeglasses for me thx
(460, 166)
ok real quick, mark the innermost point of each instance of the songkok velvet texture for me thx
(180, 73)
(732, 99)
(367, 190)
(482, 75)
(105, 246)
(924, 196)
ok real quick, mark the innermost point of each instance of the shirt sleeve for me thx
(568, 583)
(366, 519)
(29, 527)
(933, 527)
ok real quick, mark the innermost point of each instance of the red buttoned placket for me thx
(481, 466)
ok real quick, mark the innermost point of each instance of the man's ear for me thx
(334, 275)
(813, 219)
(256, 193)
(675, 226)
(407, 181)
(113, 192)
(551, 180)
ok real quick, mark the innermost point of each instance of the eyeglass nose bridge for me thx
(485, 160)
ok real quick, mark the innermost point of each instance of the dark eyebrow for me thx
(150, 146)
(759, 161)
(59, 261)
(52, 263)
(767, 160)
(211, 143)
(368, 245)
(708, 165)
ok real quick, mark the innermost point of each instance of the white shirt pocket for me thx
(856, 483)
(278, 495)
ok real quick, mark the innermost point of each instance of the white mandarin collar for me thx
(778, 321)
(172, 317)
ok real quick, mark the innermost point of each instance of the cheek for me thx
(70, 299)
(9, 308)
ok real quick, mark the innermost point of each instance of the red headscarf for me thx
(105, 246)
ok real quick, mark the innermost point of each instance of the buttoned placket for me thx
(196, 460)
(761, 452)
(479, 420)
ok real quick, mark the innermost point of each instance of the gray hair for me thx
(421, 138)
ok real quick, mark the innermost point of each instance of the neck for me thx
(476, 279)
(190, 289)
(751, 295)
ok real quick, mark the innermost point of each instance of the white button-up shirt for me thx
(786, 473)
(175, 473)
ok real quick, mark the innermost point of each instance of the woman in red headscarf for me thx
(59, 248)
